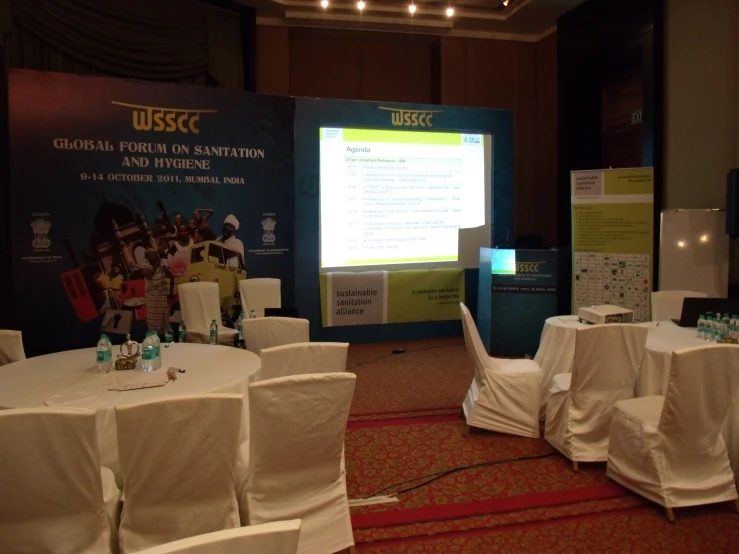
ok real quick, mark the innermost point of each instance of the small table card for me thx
(138, 380)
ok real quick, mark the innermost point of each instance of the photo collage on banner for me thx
(612, 234)
(142, 187)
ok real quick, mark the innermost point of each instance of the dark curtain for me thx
(184, 41)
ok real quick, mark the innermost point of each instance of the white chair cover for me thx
(51, 484)
(580, 404)
(11, 347)
(668, 304)
(266, 332)
(257, 294)
(200, 304)
(302, 358)
(504, 395)
(295, 457)
(178, 459)
(280, 537)
(669, 448)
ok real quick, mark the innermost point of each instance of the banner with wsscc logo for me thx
(122, 190)
(520, 303)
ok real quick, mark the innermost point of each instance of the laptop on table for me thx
(694, 307)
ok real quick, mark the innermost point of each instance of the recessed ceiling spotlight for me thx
(412, 8)
(360, 5)
(324, 4)
(505, 2)
(449, 12)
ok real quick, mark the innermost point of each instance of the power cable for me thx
(440, 474)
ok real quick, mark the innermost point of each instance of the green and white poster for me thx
(377, 297)
(612, 238)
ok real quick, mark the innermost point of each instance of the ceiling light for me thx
(505, 2)
(360, 5)
(324, 4)
(704, 238)
(449, 12)
(681, 244)
(412, 8)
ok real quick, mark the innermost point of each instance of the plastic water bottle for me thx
(168, 335)
(701, 326)
(103, 355)
(182, 331)
(148, 353)
(214, 332)
(708, 328)
(157, 350)
(253, 314)
(240, 326)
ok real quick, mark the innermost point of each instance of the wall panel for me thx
(453, 71)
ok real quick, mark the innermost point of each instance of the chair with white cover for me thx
(200, 304)
(279, 537)
(302, 358)
(267, 332)
(669, 449)
(504, 394)
(668, 304)
(580, 404)
(296, 442)
(178, 461)
(54, 496)
(258, 294)
(11, 347)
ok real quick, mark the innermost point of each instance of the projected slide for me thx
(398, 197)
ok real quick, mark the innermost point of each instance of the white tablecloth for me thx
(557, 350)
(208, 369)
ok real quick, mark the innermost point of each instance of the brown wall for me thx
(498, 74)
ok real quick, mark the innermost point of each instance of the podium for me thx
(512, 306)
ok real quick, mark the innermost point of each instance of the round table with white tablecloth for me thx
(557, 350)
(68, 379)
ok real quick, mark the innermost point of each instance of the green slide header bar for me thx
(401, 137)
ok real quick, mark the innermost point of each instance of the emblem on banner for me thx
(411, 118)
(268, 226)
(169, 120)
(41, 233)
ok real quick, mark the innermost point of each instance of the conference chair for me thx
(580, 404)
(504, 394)
(11, 347)
(258, 294)
(280, 537)
(295, 467)
(668, 304)
(302, 358)
(268, 332)
(669, 449)
(54, 496)
(178, 462)
(200, 304)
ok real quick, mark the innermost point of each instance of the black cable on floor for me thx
(406, 352)
(440, 474)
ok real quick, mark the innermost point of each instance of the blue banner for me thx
(121, 190)
(313, 114)
(521, 302)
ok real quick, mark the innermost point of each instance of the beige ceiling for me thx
(527, 20)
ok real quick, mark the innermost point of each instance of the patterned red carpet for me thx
(431, 377)
(519, 498)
